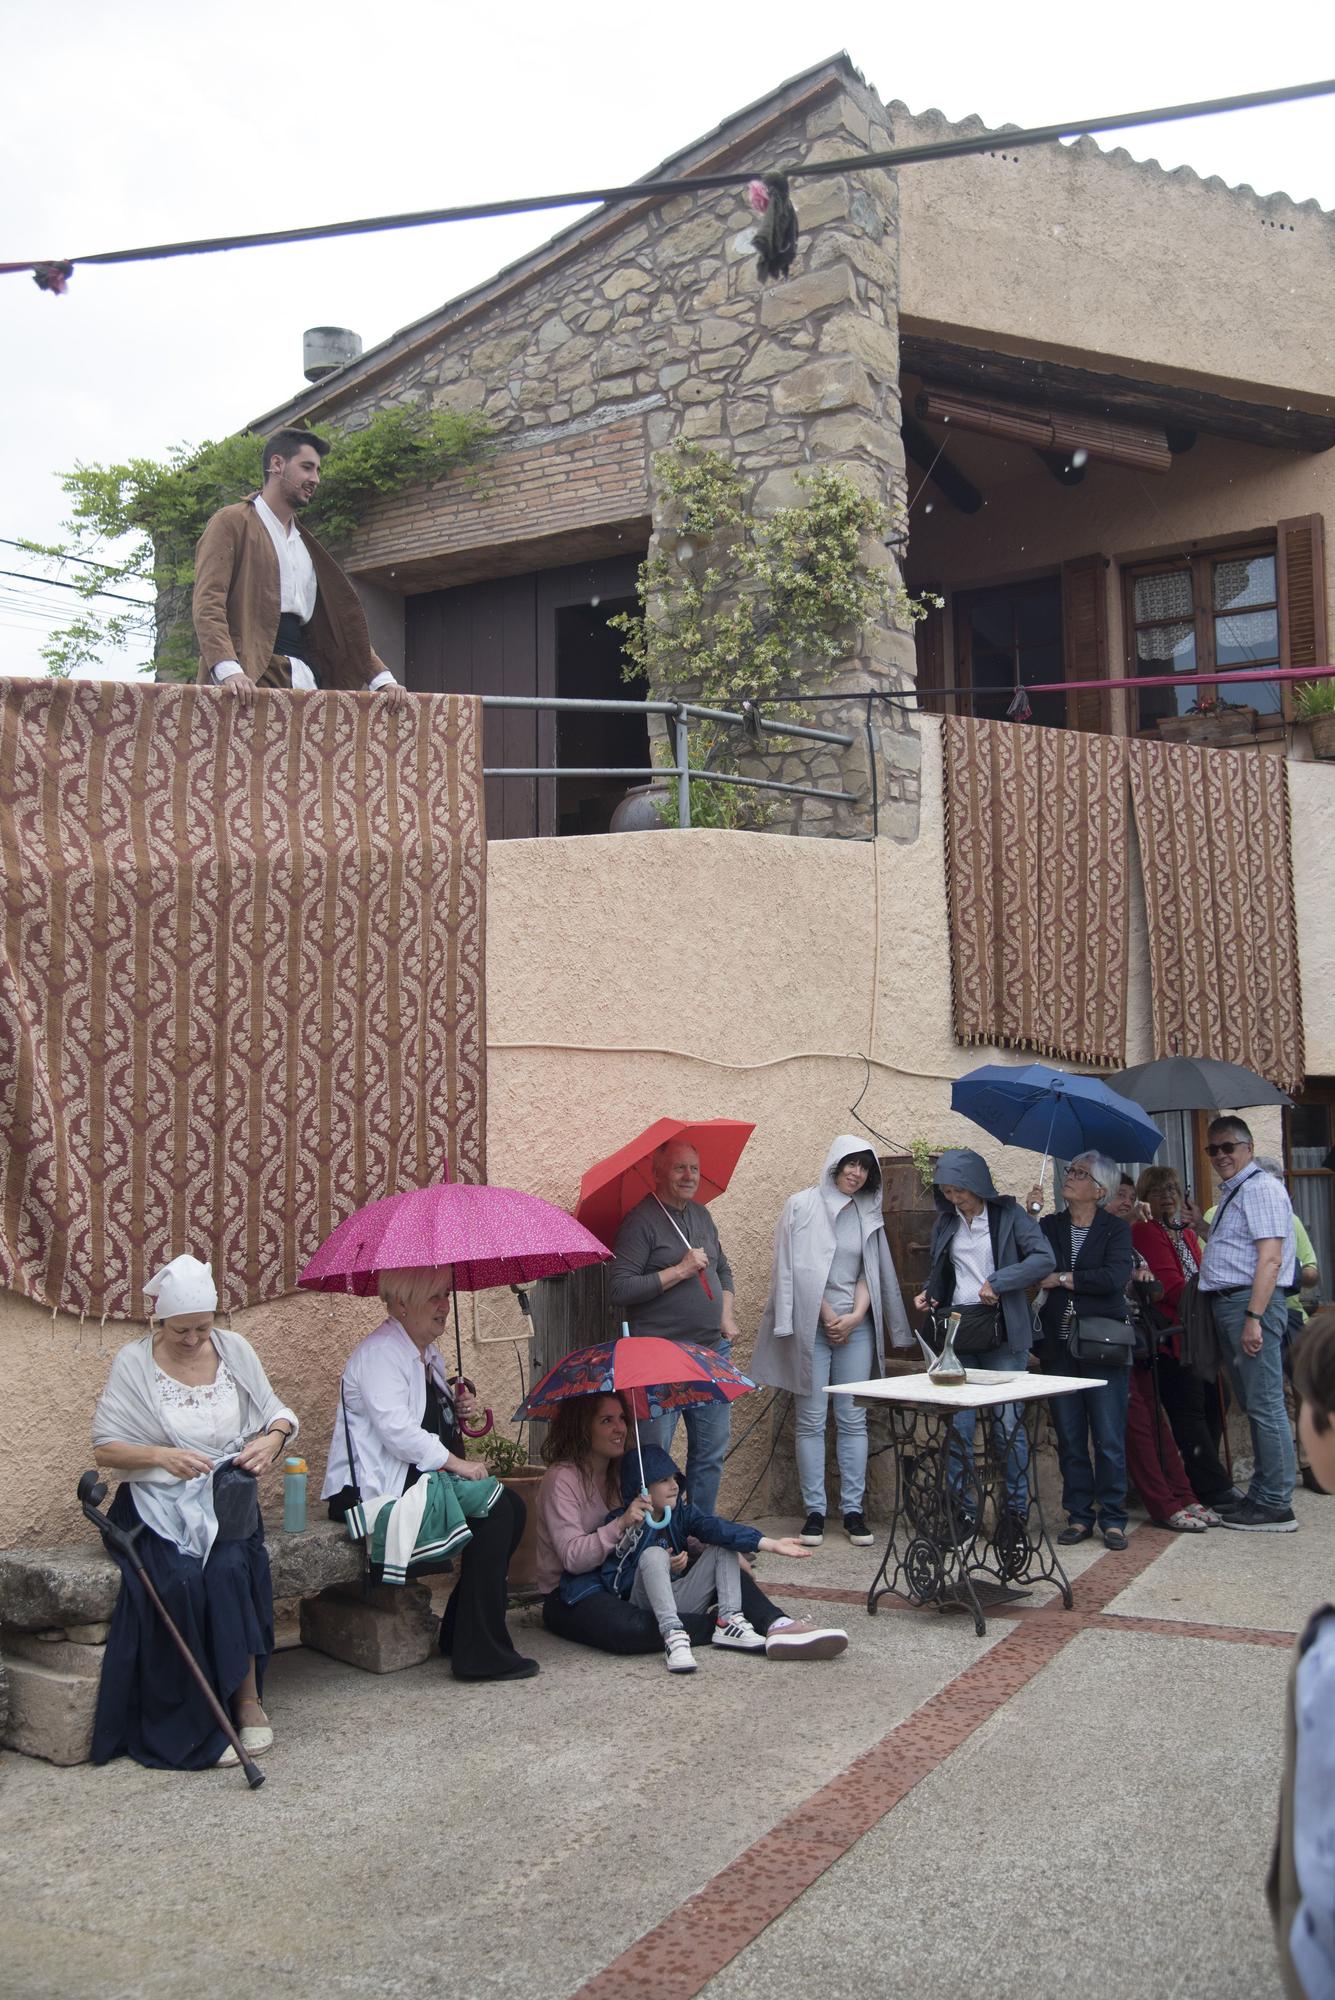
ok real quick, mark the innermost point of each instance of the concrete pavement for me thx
(1077, 1804)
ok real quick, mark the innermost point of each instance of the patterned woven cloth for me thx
(1036, 870)
(241, 977)
(1217, 858)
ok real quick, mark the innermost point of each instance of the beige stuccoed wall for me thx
(1067, 247)
(697, 974)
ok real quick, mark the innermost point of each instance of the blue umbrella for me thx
(1049, 1108)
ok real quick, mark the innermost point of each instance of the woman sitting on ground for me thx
(1094, 1260)
(833, 1293)
(187, 1399)
(400, 1413)
(583, 1451)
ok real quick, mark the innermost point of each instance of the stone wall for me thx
(637, 330)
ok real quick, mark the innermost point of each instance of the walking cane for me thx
(91, 1492)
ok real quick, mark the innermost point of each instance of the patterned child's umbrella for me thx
(660, 1375)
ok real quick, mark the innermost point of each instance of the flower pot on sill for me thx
(1323, 736)
(1217, 728)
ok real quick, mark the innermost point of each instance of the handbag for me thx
(355, 1518)
(236, 1503)
(979, 1330)
(1104, 1343)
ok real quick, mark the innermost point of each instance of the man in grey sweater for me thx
(670, 1277)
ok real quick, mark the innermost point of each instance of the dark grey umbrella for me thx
(1194, 1083)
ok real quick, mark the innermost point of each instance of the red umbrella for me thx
(487, 1236)
(615, 1185)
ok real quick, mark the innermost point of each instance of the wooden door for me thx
(910, 1212)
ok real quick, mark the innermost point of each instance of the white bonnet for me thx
(183, 1286)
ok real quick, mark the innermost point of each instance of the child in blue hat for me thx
(649, 1563)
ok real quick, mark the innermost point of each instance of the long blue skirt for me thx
(149, 1705)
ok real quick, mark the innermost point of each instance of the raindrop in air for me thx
(595, 600)
(928, 508)
(1079, 457)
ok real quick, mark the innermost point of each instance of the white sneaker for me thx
(680, 1658)
(803, 1639)
(738, 1633)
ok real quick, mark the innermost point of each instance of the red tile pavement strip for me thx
(676, 1959)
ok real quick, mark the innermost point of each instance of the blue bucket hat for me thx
(657, 1465)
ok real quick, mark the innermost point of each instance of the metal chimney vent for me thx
(325, 348)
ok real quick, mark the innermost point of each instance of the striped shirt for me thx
(1260, 1208)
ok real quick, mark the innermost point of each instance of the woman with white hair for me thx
(398, 1418)
(188, 1419)
(1094, 1264)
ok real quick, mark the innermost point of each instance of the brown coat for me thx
(236, 604)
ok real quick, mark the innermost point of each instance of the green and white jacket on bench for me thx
(427, 1523)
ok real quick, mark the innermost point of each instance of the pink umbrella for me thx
(487, 1235)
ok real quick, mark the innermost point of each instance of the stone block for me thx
(824, 385)
(74, 1585)
(629, 278)
(60, 1654)
(51, 1710)
(843, 435)
(469, 394)
(692, 239)
(771, 358)
(871, 343)
(392, 1629)
(617, 357)
(813, 292)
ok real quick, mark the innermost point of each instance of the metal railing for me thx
(681, 714)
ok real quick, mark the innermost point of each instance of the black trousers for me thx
(1192, 1409)
(473, 1633)
(608, 1622)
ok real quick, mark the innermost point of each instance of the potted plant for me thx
(1210, 720)
(1314, 703)
(508, 1460)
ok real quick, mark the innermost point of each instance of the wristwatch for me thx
(1258, 1317)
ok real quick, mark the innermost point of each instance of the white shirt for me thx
(384, 1386)
(297, 589)
(204, 1416)
(971, 1254)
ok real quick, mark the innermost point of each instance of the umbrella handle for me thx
(705, 1282)
(657, 1520)
(488, 1420)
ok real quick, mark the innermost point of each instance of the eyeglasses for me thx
(1229, 1146)
(1078, 1174)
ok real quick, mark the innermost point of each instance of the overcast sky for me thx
(153, 121)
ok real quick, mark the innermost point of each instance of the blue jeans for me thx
(1258, 1381)
(708, 1427)
(1092, 1418)
(850, 1362)
(1008, 1431)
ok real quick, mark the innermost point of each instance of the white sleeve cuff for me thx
(384, 679)
(225, 669)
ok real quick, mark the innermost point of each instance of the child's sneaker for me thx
(738, 1633)
(680, 1658)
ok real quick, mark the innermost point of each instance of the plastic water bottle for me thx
(294, 1496)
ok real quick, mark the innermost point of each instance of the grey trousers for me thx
(716, 1573)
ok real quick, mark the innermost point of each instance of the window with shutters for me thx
(1208, 612)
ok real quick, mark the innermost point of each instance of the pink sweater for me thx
(573, 1530)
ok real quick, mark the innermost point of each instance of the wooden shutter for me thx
(1302, 593)
(929, 639)
(1085, 641)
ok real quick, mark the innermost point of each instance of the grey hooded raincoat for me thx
(804, 1246)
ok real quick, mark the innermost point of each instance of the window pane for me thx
(1163, 596)
(1165, 649)
(1246, 639)
(1250, 580)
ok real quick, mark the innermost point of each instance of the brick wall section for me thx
(528, 492)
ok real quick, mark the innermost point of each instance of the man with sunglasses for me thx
(1243, 1273)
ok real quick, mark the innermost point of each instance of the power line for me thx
(58, 583)
(84, 562)
(51, 273)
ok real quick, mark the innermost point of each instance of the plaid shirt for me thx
(1260, 1208)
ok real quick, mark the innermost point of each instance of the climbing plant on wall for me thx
(139, 522)
(737, 607)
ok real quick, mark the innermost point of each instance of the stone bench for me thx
(56, 1605)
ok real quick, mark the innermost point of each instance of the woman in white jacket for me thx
(833, 1295)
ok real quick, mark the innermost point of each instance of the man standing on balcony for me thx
(670, 1277)
(1246, 1271)
(271, 607)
